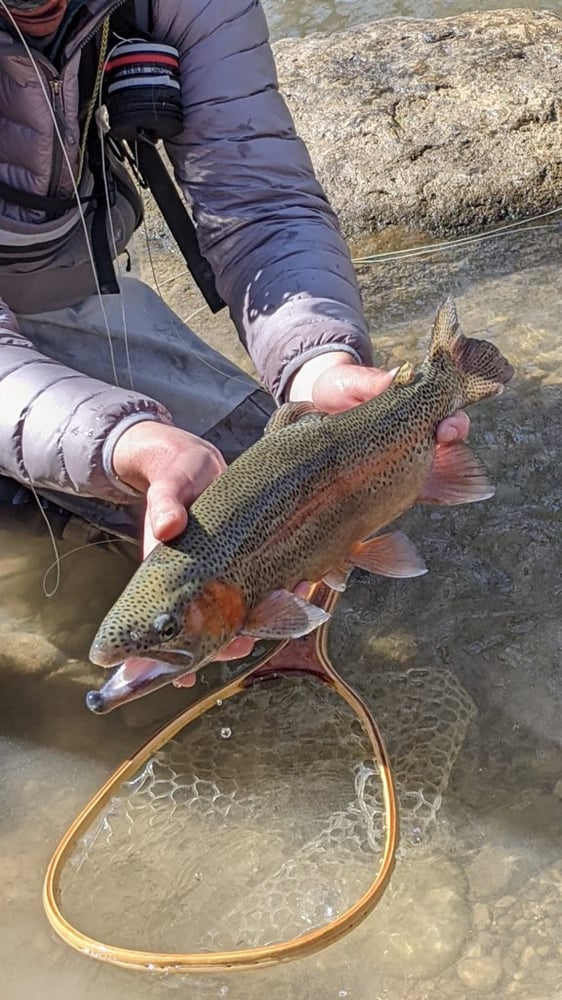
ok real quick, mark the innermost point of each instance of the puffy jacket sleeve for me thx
(264, 223)
(57, 426)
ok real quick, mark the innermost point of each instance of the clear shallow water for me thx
(295, 17)
(474, 906)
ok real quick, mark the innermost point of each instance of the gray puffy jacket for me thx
(263, 222)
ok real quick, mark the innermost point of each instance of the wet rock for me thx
(480, 973)
(480, 916)
(425, 925)
(29, 652)
(530, 959)
(505, 902)
(438, 125)
(491, 871)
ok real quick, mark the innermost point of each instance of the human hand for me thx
(169, 465)
(335, 382)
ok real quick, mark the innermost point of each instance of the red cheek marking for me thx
(218, 612)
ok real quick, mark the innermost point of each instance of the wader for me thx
(206, 393)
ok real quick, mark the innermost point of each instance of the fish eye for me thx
(167, 626)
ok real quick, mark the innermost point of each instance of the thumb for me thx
(348, 385)
(369, 382)
(166, 514)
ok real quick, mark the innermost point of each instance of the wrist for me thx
(131, 452)
(301, 384)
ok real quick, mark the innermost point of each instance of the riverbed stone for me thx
(28, 652)
(491, 871)
(480, 916)
(480, 973)
(425, 924)
(441, 126)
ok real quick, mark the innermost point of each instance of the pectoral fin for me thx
(337, 578)
(456, 476)
(282, 615)
(292, 413)
(388, 555)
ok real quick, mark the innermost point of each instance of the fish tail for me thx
(480, 367)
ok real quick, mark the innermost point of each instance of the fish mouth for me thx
(134, 678)
(101, 657)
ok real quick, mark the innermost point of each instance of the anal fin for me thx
(391, 555)
(456, 476)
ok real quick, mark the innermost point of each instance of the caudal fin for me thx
(481, 369)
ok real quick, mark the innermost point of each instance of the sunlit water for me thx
(461, 667)
(296, 17)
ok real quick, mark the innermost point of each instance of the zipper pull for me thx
(56, 92)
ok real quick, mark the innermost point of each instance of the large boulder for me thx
(441, 126)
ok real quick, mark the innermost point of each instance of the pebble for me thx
(433, 921)
(529, 958)
(480, 916)
(558, 788)
(29, 652)
(480, 973)
(491, 871)
(505, 902)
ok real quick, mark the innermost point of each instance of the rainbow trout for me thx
(303, 503)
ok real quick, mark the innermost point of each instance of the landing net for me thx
(260, 830)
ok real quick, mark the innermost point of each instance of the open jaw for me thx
(134, 678)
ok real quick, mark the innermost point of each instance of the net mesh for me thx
(263, 819)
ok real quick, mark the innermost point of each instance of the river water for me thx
(460, 667)
(294, 17)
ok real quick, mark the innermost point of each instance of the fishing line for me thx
(29, 52)
(58, 557)
(56, 563)
(427, 248)
(100, 129)
(76, 192)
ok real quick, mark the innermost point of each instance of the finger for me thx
(454, 428)
(185, 681)
(235, 650)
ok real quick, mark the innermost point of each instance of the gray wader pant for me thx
(205, 393)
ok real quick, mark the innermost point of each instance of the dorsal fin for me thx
(445, 327)
(292, 413)
(405, 375)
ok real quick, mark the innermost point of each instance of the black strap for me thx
(103, 257)
(105, 189)
(52, 207)
(178, 220)
(143, 16)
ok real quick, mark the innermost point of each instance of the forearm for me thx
(57, 426)
(263, 220)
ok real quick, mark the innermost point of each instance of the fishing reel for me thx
(142, 91)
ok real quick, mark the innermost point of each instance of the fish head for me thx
(169, 612)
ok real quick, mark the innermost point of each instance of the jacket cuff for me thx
(313, 352)
(309, 342)
(109, 446)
